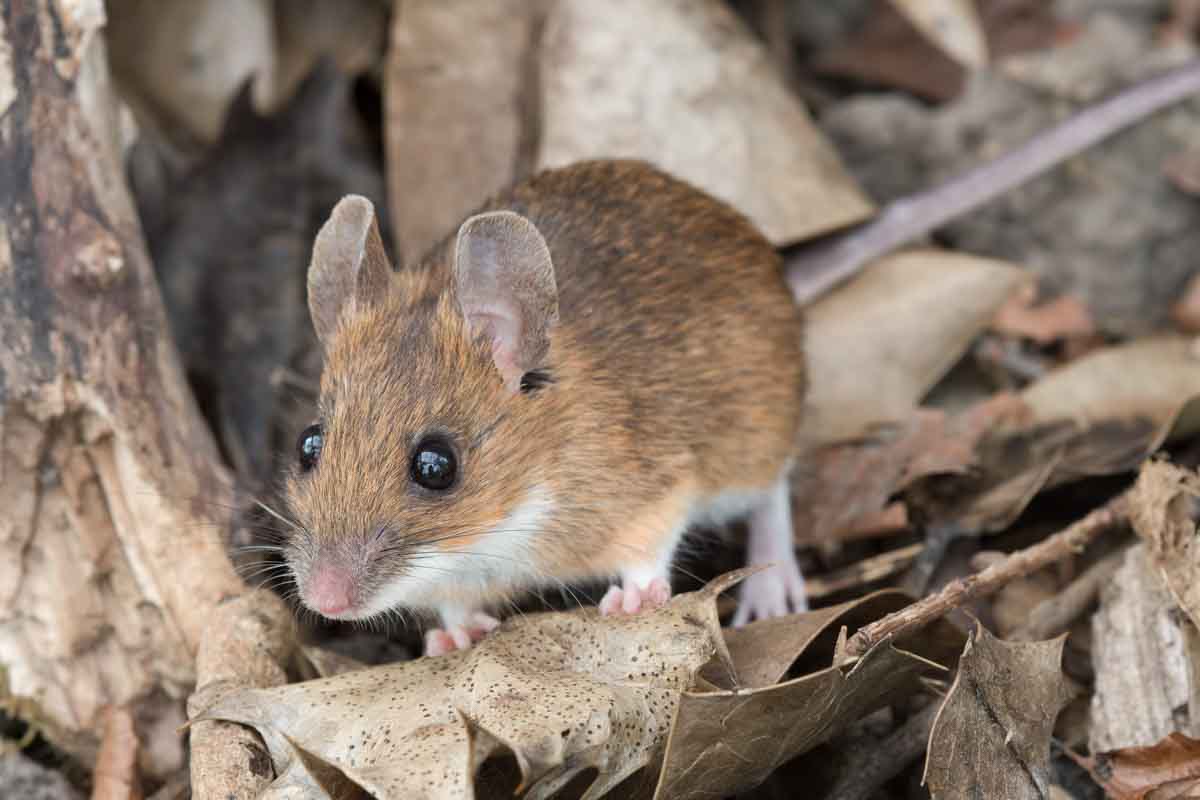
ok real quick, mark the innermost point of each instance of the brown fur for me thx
(676, 370)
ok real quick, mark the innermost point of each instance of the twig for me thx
(865, 571)
(818, 267)
(868, 769)
(1070, 540)
(1055, 614)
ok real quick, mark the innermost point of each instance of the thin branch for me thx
(1055, 614)
(818, 267)
(1066, 542)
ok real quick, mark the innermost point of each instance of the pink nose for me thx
(331, 591)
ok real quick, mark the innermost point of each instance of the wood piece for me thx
(111, 550)
(1056, 614)
(1143, 652)
(1068, 541)
(246, 646)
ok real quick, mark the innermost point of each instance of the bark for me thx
(111, 549)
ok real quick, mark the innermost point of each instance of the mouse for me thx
(598, 359)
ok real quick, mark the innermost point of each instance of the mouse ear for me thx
(349, 268)
(504, 280)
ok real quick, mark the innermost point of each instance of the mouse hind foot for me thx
(778, 590)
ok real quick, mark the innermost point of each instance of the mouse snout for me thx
(331, 590)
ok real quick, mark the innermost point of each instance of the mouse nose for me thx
(331, 590)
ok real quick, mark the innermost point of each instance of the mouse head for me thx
(423, 481)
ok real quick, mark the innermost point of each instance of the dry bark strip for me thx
(111, 557)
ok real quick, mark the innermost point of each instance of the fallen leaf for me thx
(726, 742)
(178, 62)
(887, 50)
(991, 737)
(840, 484)
(459, 110)
(352, 33)
(1143, 652)
(877, 344)
(1164, 506)
(1100, 415)
(684, 84)
(953, 25)
(1065, 317)
(1186, 311)
(562, 692)
(680, 83)
(1169, 770)
(763, 651)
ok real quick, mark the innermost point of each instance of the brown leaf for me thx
(888, 51)
(1065, 317)
(680, 83)
(1186, 311)
(726, 742)
(992, 735)
(1163, 508)
(953, 25)
(1169, 770)
(763, 651)
(562, 692)
(179, 62)
(1082, 422)
(877, 344)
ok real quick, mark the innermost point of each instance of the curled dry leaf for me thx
(1168, 770)
(992, 735)
(1186, 311)
(562, 692)
(680, 83)
(1065, 317)
(953, 25)
(877, 344)
(1143, 650)
(725, 742)
(1102, 414)
(178, 62)
(841, 484)
(1163, 508)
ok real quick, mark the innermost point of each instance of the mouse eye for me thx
(434, 465)
(311, 439)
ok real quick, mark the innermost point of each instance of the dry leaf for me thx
(1065, 317)
(459, 108)
(178, 62)
(1169, 770)
(877, 344)
(840, 484)
(886, 50)
(562, 692)
(726, 742)
(1163, 508)
(762, 652)
(680, 83)
(683, 84)
(1142, 652)
(1186, 311)
(991, 737)
(1100, 415)
(953, 25)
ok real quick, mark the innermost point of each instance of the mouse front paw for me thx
(774, 592)
(440, 641)
(632, 597)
